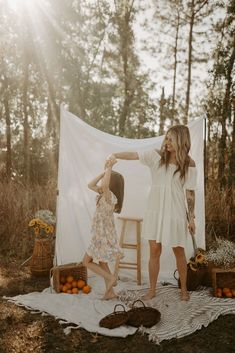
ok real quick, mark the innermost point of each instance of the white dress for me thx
(165, 218)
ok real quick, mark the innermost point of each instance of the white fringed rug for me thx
(178, 318)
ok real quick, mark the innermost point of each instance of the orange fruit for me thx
(226, 290)
(64, 289)
(69, 279)
(62, 279)
(68, 285)
(61, 287)
(86, 289)
(74, 284)
(81, 283)
(75, 291)
(233, 292)
(69, 291)
(228, 294)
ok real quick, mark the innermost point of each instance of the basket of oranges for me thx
(70, 278)
(223, 281)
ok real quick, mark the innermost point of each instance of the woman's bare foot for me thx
(185, 296)
(111, 283)
(151, 294)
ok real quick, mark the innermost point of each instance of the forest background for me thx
(131, 68)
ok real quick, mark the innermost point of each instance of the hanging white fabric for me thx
(82, 153)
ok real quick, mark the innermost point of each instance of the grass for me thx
(20, 331)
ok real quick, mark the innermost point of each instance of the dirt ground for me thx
(21, 331)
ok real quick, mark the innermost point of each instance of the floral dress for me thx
(104, 244)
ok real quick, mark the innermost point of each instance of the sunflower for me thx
(43, 225)
(193, 266)
(200, 258)
(32, 223)
(48, 229)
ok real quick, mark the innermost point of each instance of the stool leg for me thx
(138, 241)
(123, 229)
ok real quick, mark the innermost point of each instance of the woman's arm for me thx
(190, 196)
(125, 155)
(93, 183)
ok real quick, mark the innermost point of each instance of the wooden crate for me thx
(77, 270)
(222, 278)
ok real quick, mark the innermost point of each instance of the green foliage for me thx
(87, 55)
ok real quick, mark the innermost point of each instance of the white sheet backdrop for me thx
(82, 153)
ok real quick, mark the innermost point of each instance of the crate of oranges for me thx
(223, 281)
(70, 278)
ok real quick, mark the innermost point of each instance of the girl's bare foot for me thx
(185, 296)
(151, 294)
(109, 295)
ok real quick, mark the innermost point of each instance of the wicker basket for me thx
(42, 259)
(194, 278)
(77, 270)
(143, 316)
(115, 319)
(222, 278)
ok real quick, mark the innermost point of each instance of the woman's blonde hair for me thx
(181, 143)
(116, 185)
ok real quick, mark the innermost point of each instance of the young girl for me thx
(104, 246)
(165, 222)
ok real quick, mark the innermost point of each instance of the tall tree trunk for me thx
(124, 10)
(8, 137)
(124, 51)
(190, 49)
(226, 116)
(26, 120)
(162, 118)
(175, 66)
(232, 153)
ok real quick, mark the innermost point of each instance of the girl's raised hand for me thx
(110, 163)
(111, 157)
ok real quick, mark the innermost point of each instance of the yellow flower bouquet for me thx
(198, 260)
(43, 224)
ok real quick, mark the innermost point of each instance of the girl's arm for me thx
(190, 196)
(125, 155)
(106, 179)
(93, 183)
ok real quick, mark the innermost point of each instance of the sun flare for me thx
(18, 4)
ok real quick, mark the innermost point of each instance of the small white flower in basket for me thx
(222, 253)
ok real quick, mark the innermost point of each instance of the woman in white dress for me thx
(168, 216)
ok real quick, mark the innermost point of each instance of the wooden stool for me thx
(137, 246)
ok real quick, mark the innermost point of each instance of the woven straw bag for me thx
(143, 316)
(115, 319)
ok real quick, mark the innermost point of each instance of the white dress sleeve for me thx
(191, 179)
(149, 158)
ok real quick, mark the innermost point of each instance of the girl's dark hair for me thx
(116, 185)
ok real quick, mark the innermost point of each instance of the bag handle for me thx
(175, 275)
(119, 310)
(136, 301)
